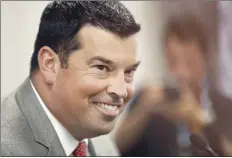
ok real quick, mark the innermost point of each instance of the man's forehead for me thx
(90, 34)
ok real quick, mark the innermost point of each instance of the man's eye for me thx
(130, 73)
(102, 67)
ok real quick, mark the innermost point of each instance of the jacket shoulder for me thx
(16, 135)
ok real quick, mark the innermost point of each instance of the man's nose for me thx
(118, 86)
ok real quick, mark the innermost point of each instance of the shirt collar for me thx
(68, 142)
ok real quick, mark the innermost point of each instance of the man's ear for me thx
(49, 64)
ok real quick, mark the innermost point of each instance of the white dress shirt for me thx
(68, 142)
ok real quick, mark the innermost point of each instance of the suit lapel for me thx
(41, 127)
(56, 148)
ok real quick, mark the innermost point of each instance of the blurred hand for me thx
(188, 108)
(153, 101)
(151, 97)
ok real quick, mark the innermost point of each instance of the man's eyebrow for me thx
(110, 62)
(135, 65)
(100, 58)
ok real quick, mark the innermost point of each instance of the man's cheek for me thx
(130, 92)
(92, 86)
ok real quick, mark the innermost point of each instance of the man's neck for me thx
(41, 88)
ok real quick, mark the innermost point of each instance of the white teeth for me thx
(107, 107)
(101, 105)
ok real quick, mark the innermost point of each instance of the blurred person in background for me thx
(160, 126)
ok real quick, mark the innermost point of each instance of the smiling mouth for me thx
(107, 109)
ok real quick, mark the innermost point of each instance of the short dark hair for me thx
(188, 27)
(61, 21)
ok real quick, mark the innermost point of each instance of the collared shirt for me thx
(68, 142)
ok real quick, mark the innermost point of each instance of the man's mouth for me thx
(107, 109)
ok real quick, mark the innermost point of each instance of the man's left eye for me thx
(102, 67)
(130, 72)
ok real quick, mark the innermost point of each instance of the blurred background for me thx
(19, 26)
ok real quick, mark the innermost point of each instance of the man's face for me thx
(185, 61)
(89, 95)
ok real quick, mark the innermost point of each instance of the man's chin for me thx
(94, 133)
(105, 129)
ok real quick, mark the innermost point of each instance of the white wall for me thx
(19, 26)
(148, 14)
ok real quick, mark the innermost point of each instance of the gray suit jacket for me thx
(27, 131)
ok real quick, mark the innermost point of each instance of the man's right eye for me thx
(102, 67)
